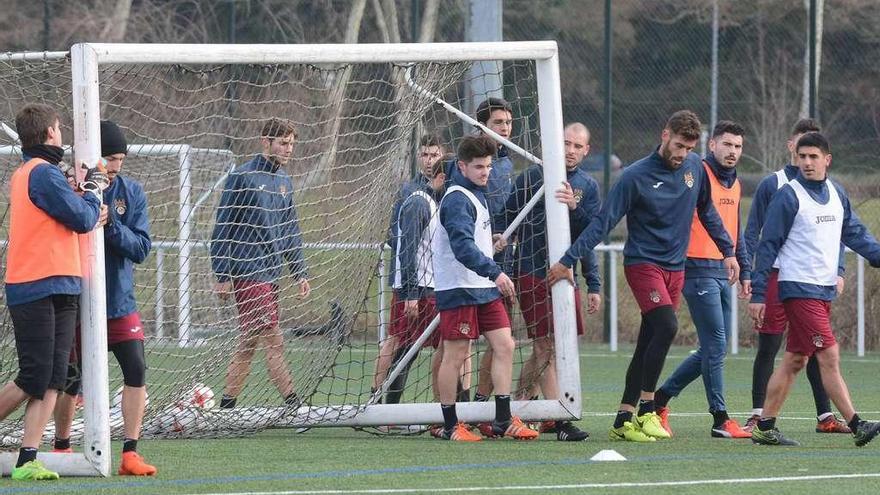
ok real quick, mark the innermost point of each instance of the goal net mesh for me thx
(187, 127)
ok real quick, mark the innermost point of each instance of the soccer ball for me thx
(199, 396)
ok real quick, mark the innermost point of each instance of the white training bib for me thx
(811, 253)
(424, 265)
(449, 273)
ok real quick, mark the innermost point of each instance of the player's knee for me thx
(130, 356)
(34, 381)
(798, 362)
(74, 379)
(663, 323)
(503, 347)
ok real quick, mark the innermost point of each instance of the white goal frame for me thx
(86, 58)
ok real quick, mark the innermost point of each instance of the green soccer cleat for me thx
(33, 470)
(865, 432)
(629, 433)
(652, 426)
(772, 437)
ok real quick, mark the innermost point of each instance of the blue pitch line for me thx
(50, 487)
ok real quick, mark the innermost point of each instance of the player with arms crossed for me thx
(256, 233)
(126, 242)
(658, 194)
(706, 287)
(469, 288)
(806, 222)
(773, 327)
(43, 275)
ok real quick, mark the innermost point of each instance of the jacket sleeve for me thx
(50, 192)
(293, 249)
(588, 208)
(615, 207)
(710, 218)
(131, 238)
(415, 214)
(457, 215)
(855, 235)
(780, 217)
(742, 254)
(516, 200)
(757, 213)
(232, 201)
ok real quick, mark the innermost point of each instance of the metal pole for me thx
(382, 270)
(93, 301)
(861, 304)
(184, 220)
(160, 293)
(813, 86)
(713, 107)
(47, 25)
(606, 179)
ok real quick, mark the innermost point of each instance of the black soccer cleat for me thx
(865, 432)
(772, 437)
(567, 432)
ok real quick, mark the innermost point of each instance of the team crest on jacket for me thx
(578, 195)
(818, 341)
(655, 296)
(119, 206)
(689, 179)
(464, 328)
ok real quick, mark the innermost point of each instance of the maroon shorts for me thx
(809, 326)
(774, 311)
(122, 329)
(653, 286)
(257, 304)
(468, 322)
(537, 308)
(408, 330)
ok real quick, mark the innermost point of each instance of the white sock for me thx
(825, 416)
(758, 411)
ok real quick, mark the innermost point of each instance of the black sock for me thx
(768, 347)
(854, 422)
(622, 417)
(765, 424)
(129, 445)
(478, 397)
(535, 397)
(373, 392)
(661, 398)
(26, 454)
(502, 409)
(646, 406)
(449, 416)
(227, 402)
(718, 418)
(292, 399)
(62, 443)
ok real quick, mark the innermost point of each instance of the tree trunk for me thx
(114, 30)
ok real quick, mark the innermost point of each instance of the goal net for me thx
(191, 117)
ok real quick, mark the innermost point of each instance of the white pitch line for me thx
(777, 479)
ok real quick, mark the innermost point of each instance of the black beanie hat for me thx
(112, 139)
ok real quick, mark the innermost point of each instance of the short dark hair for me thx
(727, 127)
(278, 128)
(489, 105)
(431, 139)
(472, 147)
(814, 139)
(684, 123)
(439, 167)
(804, 126)
(33, 122)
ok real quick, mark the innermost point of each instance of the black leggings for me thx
(658, 329)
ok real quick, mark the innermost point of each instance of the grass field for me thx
(346, 461)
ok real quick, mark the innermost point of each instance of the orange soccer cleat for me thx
(663, 412)
(516, 430)
(832, 425)
(730, 429)
(133, 465)
(460, 433)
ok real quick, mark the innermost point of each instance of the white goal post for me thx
(86, 60)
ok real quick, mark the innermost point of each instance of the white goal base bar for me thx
(70, 464)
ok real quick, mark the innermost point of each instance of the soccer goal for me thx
(197, 110)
